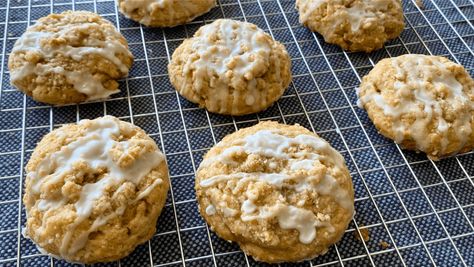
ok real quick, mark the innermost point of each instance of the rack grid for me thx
(416, 211)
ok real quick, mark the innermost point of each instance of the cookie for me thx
(281, 192)
(164, 13)
(424, 103)
(70, 57)
(231, 67)
(94, 190)
(354, 25)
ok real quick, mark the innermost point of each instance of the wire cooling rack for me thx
(416, 212)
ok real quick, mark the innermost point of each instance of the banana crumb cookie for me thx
(231, 67)
(69, 58)
(94, 190)
(281, 192)
(164, 13)
(355, 25)
(424, 103)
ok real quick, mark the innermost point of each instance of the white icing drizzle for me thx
(415, 74)
(271, 144)
(365, 12)
(94, 149)
(311, 7)
(359, 13)
(240, 55)
(326, 185)
(210, 210)
(228, 212)
(289, 217)
(248, 207)
(83, 81)
(131, 5)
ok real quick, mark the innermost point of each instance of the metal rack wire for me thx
(416, 211)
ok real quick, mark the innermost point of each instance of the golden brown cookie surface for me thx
(355, 25)
(94, 190)
(424, 103)
(69, 58)
(231, 67)
(280, 192)
(164, 13)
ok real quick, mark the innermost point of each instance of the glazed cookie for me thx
(69, 58)
(355, 25)
(231, 67)
(424, 103)
(281, 192)
(94, 190)
(164, 13)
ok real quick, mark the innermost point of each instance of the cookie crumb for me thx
(384, 244)
(364, 232)
(420, 4)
